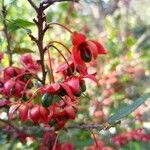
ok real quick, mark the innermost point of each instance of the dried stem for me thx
(7, 35)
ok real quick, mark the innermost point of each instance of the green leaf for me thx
(19, 23)
(19, 50)
(128, 109)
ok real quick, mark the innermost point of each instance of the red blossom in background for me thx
(137, 134)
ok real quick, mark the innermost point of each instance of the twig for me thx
(141, 39)
(33, 5)
(7, 35)
(86, 127)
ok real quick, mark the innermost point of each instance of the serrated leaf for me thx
(128, 109)
(19, 50)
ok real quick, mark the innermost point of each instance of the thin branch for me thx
(33, 5)
(141, 39)
(7, 35)
(32, 37)
(112, 7)
(86, 127)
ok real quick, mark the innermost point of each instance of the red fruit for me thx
(101, 49)
(77, 38)
(52, 88)
(35, 114)
(30, 64)
(65, 69)
(67, 146)
(4, 102)
(44, 114)
(74, 84)
(12, 109)
(23, 112)
(13, 88)
(1, 85)
(61, 123)
(11, 72)
(84, 50)
(70, 112)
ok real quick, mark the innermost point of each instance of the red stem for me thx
(34, 94)
(50, 66)
(55, 23)
(95, 140)
(55, 143)
(62, 56)
(26, 86)
(61, 44)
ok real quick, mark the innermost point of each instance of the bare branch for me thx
(7, 34)
(141, 39)
(86, 127)
(33, 5)
(32, 38)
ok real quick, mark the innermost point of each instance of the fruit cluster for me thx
(57, 101)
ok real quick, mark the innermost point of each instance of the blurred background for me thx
(123, 27)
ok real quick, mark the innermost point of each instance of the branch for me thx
(112, 7)
(86, 127)
(32, 37)
(7, 35)
(141, 39)
(33, 5)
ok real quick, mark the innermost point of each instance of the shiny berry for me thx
(47, 100)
